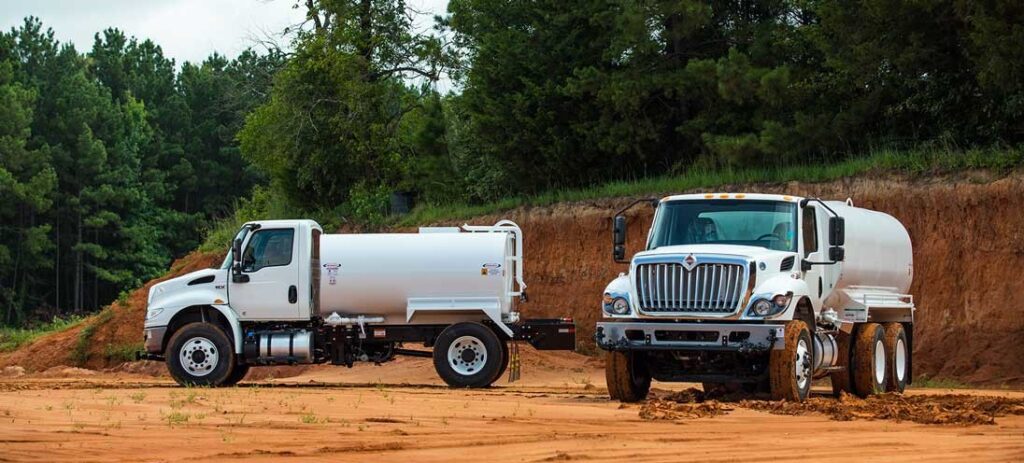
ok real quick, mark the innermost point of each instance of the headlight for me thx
(620, 306)
(153, 313)
(762, 308)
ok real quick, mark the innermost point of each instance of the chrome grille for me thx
(667, 288)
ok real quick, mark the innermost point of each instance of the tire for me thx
(627, 376)
(237, 375)
(868, 359)
(503, 366)
(790, 370)
(897, 356)
(468, 354)
(207, 353)
(841, 379)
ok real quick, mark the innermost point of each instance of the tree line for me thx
(113, 160)
(111, 163)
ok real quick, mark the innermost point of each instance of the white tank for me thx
(377, 274)
(878, 250)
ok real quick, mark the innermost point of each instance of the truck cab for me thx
(747, 291)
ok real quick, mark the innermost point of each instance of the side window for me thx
(810, 230)
(268, 248)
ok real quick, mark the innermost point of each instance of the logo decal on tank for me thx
(491, 269)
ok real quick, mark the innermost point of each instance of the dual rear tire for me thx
(877, 360)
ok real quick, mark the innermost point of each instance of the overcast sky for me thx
(187, 30)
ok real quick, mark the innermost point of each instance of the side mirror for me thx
(836, 253)
(236, 263)
(836, 231)
(619, 238)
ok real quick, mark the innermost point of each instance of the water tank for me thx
(376, 274)
(878, 250)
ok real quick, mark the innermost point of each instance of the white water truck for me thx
(760, 293)
(289, 294)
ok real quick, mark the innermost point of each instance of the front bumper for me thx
(675, 336)
(154, 339)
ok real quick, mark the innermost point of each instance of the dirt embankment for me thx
(968, 235)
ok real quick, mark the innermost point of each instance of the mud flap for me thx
(513, 362)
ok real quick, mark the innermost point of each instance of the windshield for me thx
(768, 224)
(240, 236)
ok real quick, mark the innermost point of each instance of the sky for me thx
(187, 30)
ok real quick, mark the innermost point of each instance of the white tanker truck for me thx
(760, 293)
(288, 294)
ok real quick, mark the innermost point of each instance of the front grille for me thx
(668, 288)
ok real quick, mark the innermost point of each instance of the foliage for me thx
(110, 161)
(13, 338)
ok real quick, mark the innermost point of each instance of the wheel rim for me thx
(467, 355)
(901, 360)
(199, 356)
(879, 362)
(802, 364)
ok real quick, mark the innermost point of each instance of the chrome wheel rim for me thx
(199, 356)
(802, 364)
(901, 360)
(879, 362)
(467, 355)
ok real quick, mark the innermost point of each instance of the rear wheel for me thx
(627, 376)
(468, 354)
(870, 373)
(200, 354)
(790, 369)
(898, 356)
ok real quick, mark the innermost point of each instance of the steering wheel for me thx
(769, 236)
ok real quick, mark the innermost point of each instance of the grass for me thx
(80, 354)
(938, 383)
(13, 338)
(122, 352)
(917, 162)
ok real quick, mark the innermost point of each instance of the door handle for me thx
(293, 294)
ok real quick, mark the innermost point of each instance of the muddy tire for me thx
(627, 376)
(468, 354)
(868, 359)
(503, 366)
(841, 379)
(200, 354)
(897, 355)
(237, 375)
(790, 369)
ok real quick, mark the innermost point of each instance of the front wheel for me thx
(468, 354)
(200, 354)
(790, 369)
(627, 375)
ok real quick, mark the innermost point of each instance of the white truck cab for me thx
(760, 292)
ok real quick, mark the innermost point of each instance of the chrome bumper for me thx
(727, 337)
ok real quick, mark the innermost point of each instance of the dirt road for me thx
(377, 414)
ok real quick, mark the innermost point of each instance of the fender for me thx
(780, 284)
(171, 305)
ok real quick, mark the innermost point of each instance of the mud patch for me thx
(951, 409)
(957, 409)
(691, 403)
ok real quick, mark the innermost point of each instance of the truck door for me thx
(269, 261)
(812, 249)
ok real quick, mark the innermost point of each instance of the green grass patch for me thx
(80, 354)
(915, 162)
(938, 383)
(13, 338)
(115, 353)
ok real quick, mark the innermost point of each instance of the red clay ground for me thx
(400, 412)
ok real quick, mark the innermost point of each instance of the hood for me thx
(167, 288)
(750, 252)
